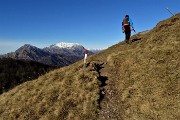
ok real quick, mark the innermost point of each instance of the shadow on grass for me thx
(136, 39)
(102, 80)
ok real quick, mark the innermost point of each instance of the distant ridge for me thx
(60, 54)
(66, 49)
(95, 50)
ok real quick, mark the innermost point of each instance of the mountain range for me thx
(60, 54)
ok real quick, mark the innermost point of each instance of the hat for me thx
(127, 16)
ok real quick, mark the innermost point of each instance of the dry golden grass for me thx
(66, 93)
(143, 83)
(147, 74)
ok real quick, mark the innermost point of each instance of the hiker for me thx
(127, 27)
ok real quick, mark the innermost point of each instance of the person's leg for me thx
(126, 37)
(127, 34)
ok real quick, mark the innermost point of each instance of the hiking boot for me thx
(127, 41)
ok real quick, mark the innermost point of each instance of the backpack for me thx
(126, 22)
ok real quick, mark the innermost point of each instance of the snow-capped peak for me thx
(96, 50)
(66, 45)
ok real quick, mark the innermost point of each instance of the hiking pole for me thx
(170, 11)
(134, 30)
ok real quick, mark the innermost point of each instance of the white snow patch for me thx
(66, 45)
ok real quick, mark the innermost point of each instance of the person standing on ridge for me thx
(127, 27)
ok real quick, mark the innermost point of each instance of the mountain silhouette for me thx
(52, 55)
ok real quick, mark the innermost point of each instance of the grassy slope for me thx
(145, 75)
(143, 83)
(66, 93)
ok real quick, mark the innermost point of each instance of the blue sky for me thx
(91, 23)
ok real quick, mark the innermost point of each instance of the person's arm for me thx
(131, 23)
(122, 26)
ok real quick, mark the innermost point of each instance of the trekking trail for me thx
(110, 97)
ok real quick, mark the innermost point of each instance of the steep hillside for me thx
(136, 81)
(14, 72)
(144, 76)
(66, 93)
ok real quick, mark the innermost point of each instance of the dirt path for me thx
(110, 102)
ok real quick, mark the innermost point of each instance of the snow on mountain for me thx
(66, 45)
(95, 50)
(66, 49)
(77, 48)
